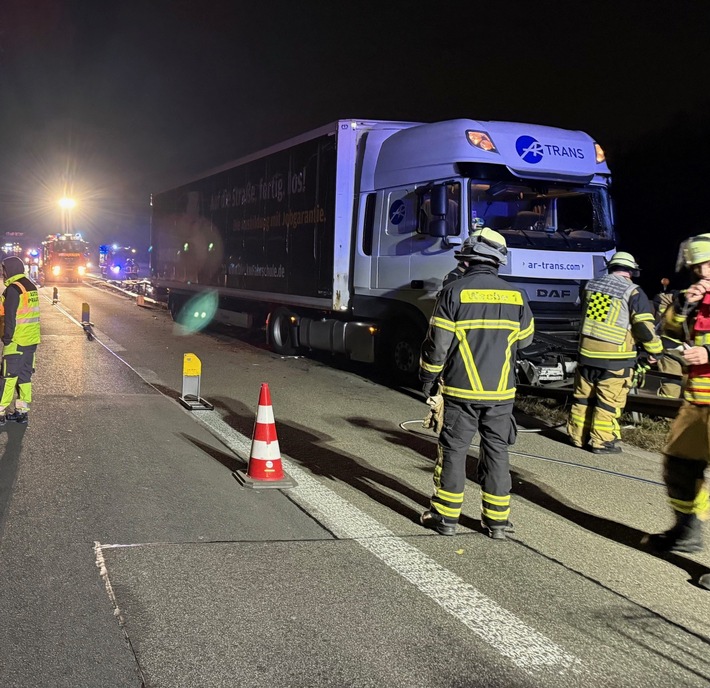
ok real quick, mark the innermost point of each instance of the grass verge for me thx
(648, 433)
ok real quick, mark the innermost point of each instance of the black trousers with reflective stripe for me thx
(497, 430)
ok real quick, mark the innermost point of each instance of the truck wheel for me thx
(279, 334)
(405, 344)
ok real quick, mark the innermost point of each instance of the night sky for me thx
(118, 99)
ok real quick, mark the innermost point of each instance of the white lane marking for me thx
(506, 633)
(99, 336)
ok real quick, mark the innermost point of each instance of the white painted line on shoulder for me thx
(506, 633)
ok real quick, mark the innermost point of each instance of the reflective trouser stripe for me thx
(687, 493)
(495, 507)
(686, 458)
(700, 505)
(598, 404)
(444, 502)
(461, 422)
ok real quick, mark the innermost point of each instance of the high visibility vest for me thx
(27, 317)
(607, 309)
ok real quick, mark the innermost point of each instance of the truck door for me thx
(392, 245)
(432, 257)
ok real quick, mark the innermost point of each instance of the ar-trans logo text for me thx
(532, 151)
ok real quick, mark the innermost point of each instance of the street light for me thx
(66, 204)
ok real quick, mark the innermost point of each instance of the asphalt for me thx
(106, 458)
(130, 556)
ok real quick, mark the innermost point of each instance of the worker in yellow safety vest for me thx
(617, 316)
(20, 337)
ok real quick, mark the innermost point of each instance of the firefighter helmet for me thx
(696, 250)
(623, 260)
(484, 245)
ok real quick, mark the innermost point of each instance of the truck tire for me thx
(279, 335)
(405, 344)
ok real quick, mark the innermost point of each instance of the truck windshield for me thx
(69, 246)
(543, 215)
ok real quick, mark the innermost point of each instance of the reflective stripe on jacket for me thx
(617, 317)
(479, 323)
(692, 322)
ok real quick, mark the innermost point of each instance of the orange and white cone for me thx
(265, 468)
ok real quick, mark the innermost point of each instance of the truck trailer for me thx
(339, 239)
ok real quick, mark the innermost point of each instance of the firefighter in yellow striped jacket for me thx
(687, 450)
(20, 337)
(617, 317)
(479, 323)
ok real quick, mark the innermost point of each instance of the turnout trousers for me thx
(670, 389)
(599, 398)
(17, 368)
(686, 456)
(497, 430)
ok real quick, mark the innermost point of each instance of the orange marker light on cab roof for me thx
(479, 139)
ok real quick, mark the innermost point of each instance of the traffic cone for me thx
(264, 469)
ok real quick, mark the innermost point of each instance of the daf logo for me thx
(553, 293)
(529, 149)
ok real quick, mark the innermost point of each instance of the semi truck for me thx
(339, 239)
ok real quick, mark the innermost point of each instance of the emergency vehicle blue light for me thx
(34, 252)
(116, 269)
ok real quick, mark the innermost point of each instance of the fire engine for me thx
(64, 258)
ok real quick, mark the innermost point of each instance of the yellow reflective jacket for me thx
(21, 312)
(479, 323)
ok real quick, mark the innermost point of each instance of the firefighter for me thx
(479, 323)
(687, 449)
(20, 337)
(672, 360)
(617, 317)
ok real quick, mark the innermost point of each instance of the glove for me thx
(435, 417)
(435, 402)
(639, 374)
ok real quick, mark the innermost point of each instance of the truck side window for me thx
(368, 224)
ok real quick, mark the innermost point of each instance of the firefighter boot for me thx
(18, 416)
(443, 526)
(685, 536)
(3, 419)
(497, 530)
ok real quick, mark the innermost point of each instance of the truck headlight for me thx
(56, 270)
(81, 270)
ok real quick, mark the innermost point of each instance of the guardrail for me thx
(643, 400)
